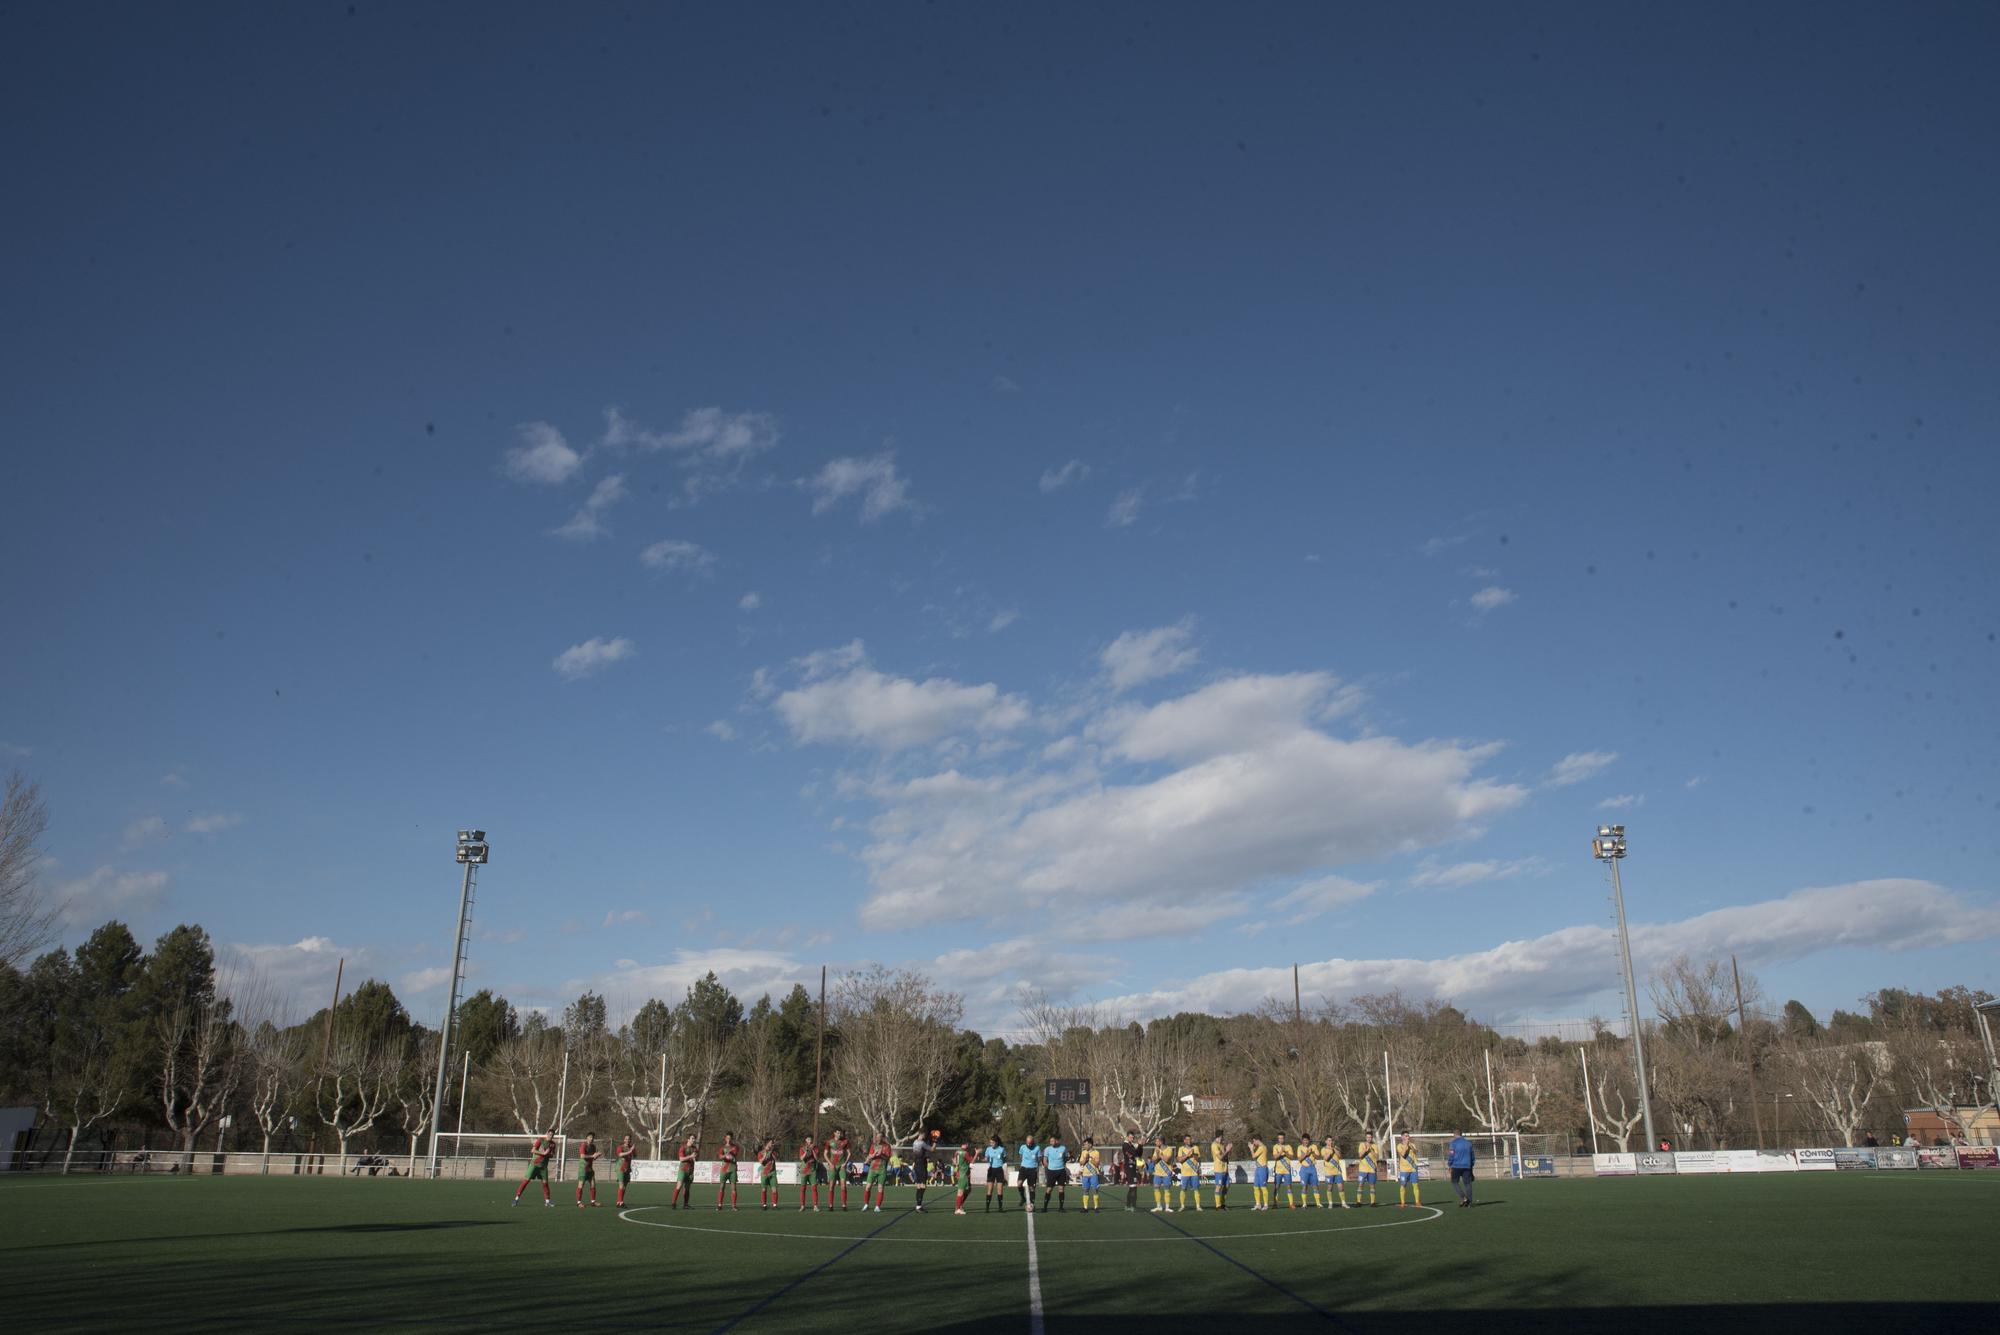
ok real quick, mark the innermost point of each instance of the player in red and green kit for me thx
(877, 1180)
(538, 1166)
(726, 1184)
(586, 1169)
(809, 1174)
(837, 1151)
(767, 1175)
(961, 1176)
(684, 1189)
(626, 1149)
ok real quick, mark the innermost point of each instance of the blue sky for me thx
(1115, 501)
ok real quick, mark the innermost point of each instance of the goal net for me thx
(493, 1154)
(1495, 1153)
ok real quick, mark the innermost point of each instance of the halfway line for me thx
(1034, 1282)
(741, 1317)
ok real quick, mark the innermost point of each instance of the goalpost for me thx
(1494, 1152)
(494, 1154)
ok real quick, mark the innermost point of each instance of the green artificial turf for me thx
(1847, 1251)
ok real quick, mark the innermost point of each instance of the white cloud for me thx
(625, 917)
(588, 522)
(1695, 782)
(1055, 479)
(1493, 596)
(1578, 766)
(1239, 786)
(1001, 620)
(173, 778)
(750, 601)
(710, 445)
(300, 974)
(844, 700)
(1005, 385)
(1622, 802)
(1125, 507)
(1458, 874)
(1142, 655)
(1324, 895)
(593, 655)
(423, 980)
(678, 554)
(543, 456)
(214, 822)
(88, 901)
(875, 479)
(1438, 546)
(1570, 967)
(143, 830)
(721, 730)
(749, 973)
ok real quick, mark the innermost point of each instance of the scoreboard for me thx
(1068, 1094)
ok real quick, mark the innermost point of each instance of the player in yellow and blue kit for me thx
(1163, 1176)
(1306, 1175)
(1333, 1171)
(1364, 1162)
(1260, 1175)
(1090, 1169)
(1281, 1173)
(1406, 1172)
(1187, 1163)
(1218, 1164)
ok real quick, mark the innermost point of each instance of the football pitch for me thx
(1876, 1251)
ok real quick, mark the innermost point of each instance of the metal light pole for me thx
(1609, 848)
(472, 852)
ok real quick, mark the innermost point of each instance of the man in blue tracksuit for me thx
(1459, 1156)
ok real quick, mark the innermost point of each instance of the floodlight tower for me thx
(472, 852)
(1609, 848)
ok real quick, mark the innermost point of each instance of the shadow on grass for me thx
(425, 1226)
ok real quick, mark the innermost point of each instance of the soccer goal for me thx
(1494, 1152)
(493, 1154)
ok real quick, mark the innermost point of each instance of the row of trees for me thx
(111, 1041)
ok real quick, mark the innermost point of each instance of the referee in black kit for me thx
(1129, 1155)
(920, 1167)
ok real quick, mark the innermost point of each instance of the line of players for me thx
(1311, 1174)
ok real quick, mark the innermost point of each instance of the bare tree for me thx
(1136, 1075)
(200, 1066)
(1293, 1059)
(355, 1087)
(27, 922)
(1940, 1070)
(548, 1081)
(756, 1056)
(416, 1090)
(1512, 1102)
(1837, 1081)
(1612, 1113)
(898, 1036)
(275, 1066)
(86, 1083)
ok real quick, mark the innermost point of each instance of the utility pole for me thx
(1298, 1011)
(1609, 847)
(819, 1053)
(1743, 1043)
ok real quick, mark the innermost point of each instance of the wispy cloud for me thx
(543, 456)
(1125, 507)
(874, 479)
(144, 830)
(1323, 895)
(1578, 766)
(1622, 802)
(588, 522)
(1055, 479)
(1695, 782)
(750, 601)
(1005, 385)
(214, 822)
(721, 730)
(1440, 545)
(593, 655)
(1143, 655)
(106, 893)
(1459, 874)
(710, 445)
(1493, 596)
(843, 699)
(173, 778)
(626, 917)
(678, 554)
(1001, 620)
(16, 749)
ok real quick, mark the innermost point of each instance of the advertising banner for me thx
(1776, 1161)
(1700, 1161)
(1979, 1156)
(1743, 1161)
(1814, 1161)
(1538, 1165)
(1896, 1157)
(1655, 1162)
(1614, 1165)
(1936, 1156)
(1854, 1158)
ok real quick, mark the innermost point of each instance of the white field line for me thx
(1034, 1282)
